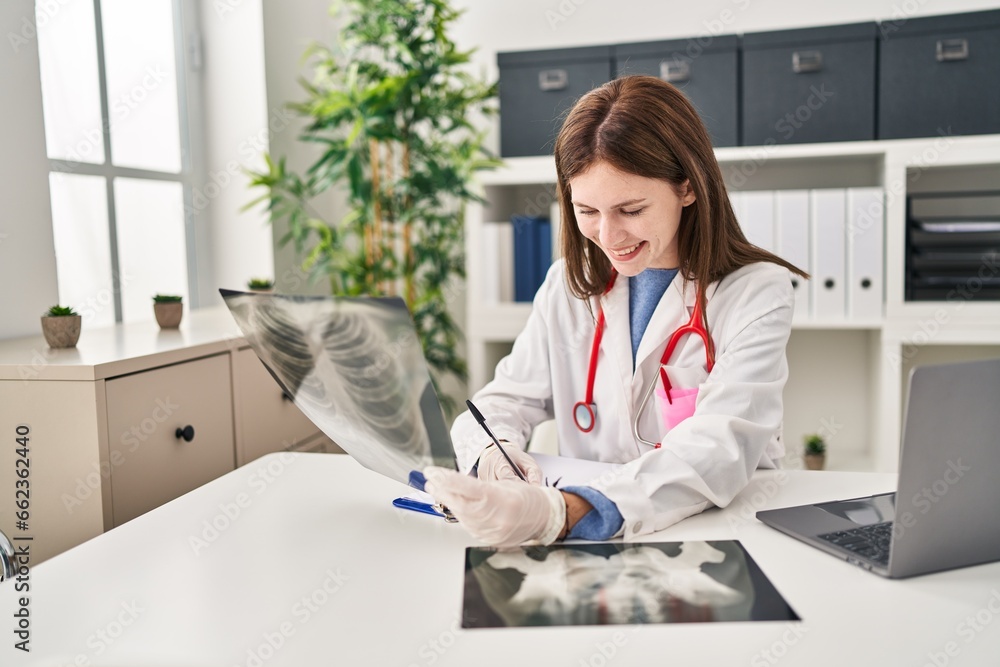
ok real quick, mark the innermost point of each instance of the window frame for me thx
(187, 62)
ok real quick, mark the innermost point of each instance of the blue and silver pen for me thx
(482, 422)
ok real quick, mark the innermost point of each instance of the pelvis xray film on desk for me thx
(355, 367)
(617, 584)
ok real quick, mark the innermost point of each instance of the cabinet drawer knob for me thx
(186, 433)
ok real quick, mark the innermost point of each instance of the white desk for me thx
(396, 578)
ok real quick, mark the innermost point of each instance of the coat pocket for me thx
(678, 408)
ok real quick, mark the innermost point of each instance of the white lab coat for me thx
(705, 460)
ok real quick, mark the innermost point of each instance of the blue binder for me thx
(544, 259)
(532, 254)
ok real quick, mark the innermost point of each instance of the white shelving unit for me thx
(847, 379)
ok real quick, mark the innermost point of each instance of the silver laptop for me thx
(944, 513)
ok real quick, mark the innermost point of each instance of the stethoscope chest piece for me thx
(584, 416)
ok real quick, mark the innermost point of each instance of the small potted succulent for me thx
(61, 326)
(815, 452)
(168, 309)
(265, 285)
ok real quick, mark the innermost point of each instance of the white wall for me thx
(540, 24)
(238, 123)
(27, 254)
(288, 29)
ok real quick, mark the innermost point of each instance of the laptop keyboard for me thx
(870, 542)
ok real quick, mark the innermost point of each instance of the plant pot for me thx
(260, 291)
(815, 461)
(168, 315)
(63, 331)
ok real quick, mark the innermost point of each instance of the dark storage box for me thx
(809, 85)
(940, 75)
(705, 68)
(536, 90)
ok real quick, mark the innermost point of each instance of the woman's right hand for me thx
(493, 466)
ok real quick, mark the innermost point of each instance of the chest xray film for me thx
(355, 367)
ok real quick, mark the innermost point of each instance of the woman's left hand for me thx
(504, 513)
(493, 465)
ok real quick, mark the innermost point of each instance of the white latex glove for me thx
(493, 466)
(504, 513)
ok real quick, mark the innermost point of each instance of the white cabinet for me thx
(170, 430)
(134, 417)
(68, 463)
(267, 420)
(847, 375)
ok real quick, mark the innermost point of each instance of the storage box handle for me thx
(675, 71)
(807, 61)
(553, 79)
(952, 49)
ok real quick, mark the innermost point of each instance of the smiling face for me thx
(633, 219)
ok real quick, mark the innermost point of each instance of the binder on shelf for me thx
(505, 259)
(532, 254)
(828, 218)
(525, 256)
(865, 253)
(555, 215)
(757, 218)
(490, 263)
(791, 231)
(544, 257)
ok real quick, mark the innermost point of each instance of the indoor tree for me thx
(391, 106)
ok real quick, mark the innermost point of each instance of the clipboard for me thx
(421, 501)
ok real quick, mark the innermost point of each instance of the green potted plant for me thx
(169, 309)
(61, 326)
(815, 452)
(260, 285)
(391, 107)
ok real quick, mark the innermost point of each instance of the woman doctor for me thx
(657, 342)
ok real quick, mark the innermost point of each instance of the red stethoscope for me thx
(584, 412)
